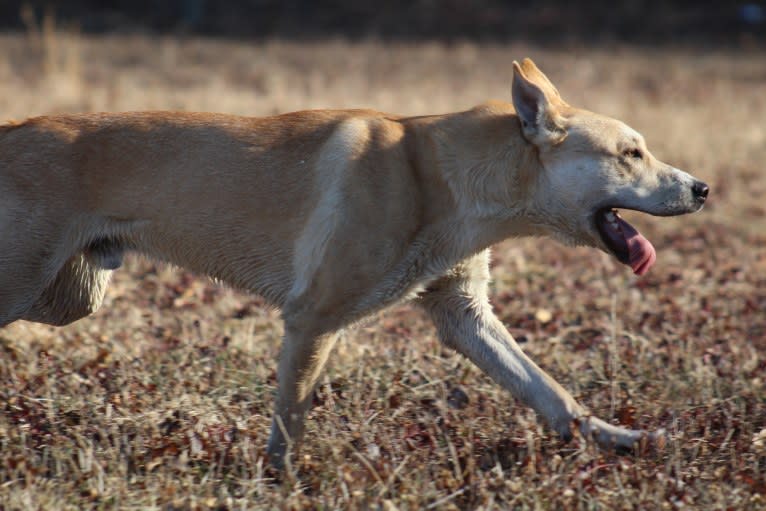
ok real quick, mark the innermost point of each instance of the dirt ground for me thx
(162, 399)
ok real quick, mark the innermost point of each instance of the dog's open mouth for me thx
(625, 242)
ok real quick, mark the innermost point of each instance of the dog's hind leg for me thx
(458, 305)
(76, 291)
(24, 272)
(301, 361)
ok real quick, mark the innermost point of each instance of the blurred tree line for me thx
(545, 21)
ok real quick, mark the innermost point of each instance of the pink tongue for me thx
(641, 253)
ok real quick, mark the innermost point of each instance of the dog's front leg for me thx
(302, 358)
(459, 307)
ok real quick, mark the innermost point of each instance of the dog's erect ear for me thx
(533, 74)
(537, 103)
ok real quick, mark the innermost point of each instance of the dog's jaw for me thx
(624, 241)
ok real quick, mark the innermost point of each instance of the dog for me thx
(332, 216)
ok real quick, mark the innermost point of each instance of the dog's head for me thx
(592, 166)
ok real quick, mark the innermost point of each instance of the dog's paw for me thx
(618, 439)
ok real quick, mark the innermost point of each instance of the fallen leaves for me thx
(543, 315)
(759, 442)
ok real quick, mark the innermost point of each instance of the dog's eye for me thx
(633, 153)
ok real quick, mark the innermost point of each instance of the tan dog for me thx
(332, 216)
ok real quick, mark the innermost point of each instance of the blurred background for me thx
(271, 56)
(550, 21)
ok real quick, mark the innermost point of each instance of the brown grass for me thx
(162, 399)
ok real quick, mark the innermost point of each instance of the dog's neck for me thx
(480, 169)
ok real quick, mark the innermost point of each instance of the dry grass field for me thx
(162, 399)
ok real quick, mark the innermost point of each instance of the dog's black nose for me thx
(700, 190)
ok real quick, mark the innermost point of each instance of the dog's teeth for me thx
(612, 219)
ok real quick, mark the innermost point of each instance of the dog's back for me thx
(255, 202)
